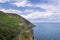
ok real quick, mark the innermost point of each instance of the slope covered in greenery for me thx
(9, 26)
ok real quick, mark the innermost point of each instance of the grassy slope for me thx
(9, 26)
(26, 35)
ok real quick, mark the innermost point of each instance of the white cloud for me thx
(28, 11)
(22, 3)
(4, 1)
(37, 15)
(52, 14)
(11, 11)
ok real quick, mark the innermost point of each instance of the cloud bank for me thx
(51, 13)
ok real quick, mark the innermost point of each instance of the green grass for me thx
(26, 35)
(9, 26)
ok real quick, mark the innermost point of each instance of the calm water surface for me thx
(47, 31)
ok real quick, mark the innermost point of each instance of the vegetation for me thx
(9, 26)
(26, 35)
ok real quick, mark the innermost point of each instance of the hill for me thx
(12, 24)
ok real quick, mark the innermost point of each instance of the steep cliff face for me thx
(11, 25)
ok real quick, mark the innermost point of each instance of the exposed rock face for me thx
(15, 27)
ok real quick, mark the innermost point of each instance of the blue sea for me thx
(47, 31)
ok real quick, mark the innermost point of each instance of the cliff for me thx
(14, 27)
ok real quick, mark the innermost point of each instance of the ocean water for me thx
(47, 31)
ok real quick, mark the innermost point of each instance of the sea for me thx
(46, 31)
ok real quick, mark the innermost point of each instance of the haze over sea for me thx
(47, 31)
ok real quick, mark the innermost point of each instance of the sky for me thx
(35, 11)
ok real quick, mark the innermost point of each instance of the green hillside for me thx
(9, 26)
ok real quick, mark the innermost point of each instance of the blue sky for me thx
(33, 10)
